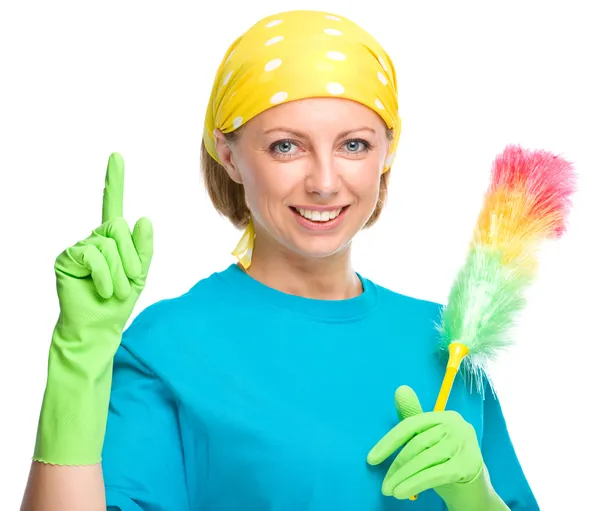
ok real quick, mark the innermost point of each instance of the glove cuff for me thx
(474, 495)
(74, 410)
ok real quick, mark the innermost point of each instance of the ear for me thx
(225, 154)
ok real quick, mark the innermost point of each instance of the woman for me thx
(270, 384)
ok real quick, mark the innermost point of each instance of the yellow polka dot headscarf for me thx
(296, 55)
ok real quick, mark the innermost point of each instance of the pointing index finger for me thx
(112, 202)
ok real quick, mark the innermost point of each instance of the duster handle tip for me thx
(457, 351)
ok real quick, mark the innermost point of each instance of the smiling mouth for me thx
(319, 217)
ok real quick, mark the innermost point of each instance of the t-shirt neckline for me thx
(328, 310)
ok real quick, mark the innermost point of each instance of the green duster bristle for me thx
(484, 300)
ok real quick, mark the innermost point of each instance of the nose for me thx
(322, 178)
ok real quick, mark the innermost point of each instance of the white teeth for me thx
(319, 216)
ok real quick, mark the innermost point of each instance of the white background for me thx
(79, 81)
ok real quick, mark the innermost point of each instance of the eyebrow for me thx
(301, 134)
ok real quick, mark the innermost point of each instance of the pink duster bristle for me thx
(547, 179)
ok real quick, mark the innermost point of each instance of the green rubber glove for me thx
(440, 452)
(98, 281)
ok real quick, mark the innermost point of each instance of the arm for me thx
(504, 468)
(98, 281)
(143, 458)
(60, 488)
(143, 463)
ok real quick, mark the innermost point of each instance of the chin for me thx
(320, 249)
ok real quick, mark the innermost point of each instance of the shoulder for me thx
(203, 304)
(408, 321)
(398, 301)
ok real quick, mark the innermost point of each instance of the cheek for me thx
(268, 182)
(365, 182)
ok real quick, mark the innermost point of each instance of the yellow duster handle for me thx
(458, 352)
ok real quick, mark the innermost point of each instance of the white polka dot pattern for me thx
(272, 64)
(302, 54)
(336, 55)
(382, 64)
(274, 40)
(335, 88)
(279, 97)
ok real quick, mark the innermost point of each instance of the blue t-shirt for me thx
(238, 397)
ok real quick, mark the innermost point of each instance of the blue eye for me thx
(353, 145)
(358, 145)
(284, 146)
(283, 149)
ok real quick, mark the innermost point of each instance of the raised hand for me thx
(100, 278)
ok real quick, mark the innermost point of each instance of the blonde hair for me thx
(228, 197)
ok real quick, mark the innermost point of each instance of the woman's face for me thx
(311, 170)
